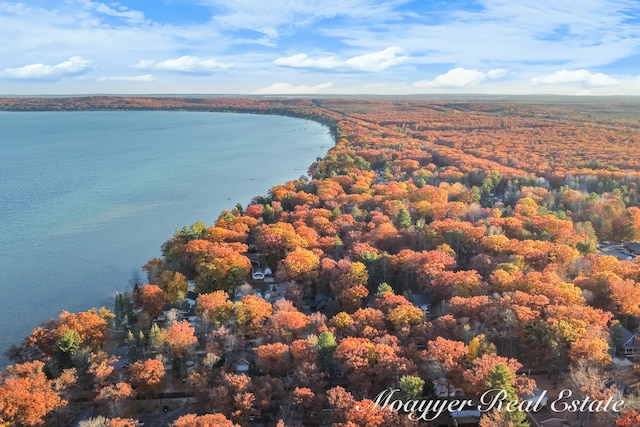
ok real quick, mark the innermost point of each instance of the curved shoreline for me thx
(237, 197)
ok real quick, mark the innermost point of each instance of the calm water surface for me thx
(87, 197)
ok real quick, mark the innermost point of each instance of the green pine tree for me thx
(411, 387)
(501, 378)
(403, 219)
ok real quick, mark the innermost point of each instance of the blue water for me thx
(87, 197)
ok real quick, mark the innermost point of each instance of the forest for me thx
(443, 248)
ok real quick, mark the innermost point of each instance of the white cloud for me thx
(144, 78)
(71, 67)
(275, 18)
(289, 89)
(496, 73)
(185, 64)
(461, 78)
(583, 77)
(122, 12)
(375, 61)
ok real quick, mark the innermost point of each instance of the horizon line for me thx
(316, 95)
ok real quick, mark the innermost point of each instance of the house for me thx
(242, 366)
(630, 343)
(422, 301)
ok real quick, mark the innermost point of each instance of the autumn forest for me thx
(443, 248)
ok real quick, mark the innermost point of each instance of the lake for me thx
(88, 197)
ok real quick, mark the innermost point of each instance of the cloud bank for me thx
(185, 64)
(370, 62)
(71, 67)
(461, 78)
(583, 77)
(144, 78)
(289, 89)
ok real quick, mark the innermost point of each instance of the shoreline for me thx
(217, 205)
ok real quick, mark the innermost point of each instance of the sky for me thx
(306, 47)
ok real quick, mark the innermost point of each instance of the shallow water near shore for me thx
(87, 197)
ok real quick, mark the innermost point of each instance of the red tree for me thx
(152, 299)
(179, 339)
(208, 420)
(148, 374)
(26, 395)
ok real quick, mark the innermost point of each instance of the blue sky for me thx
(586, 47)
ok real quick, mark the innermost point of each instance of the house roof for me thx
(622, 361)
(627, 336)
